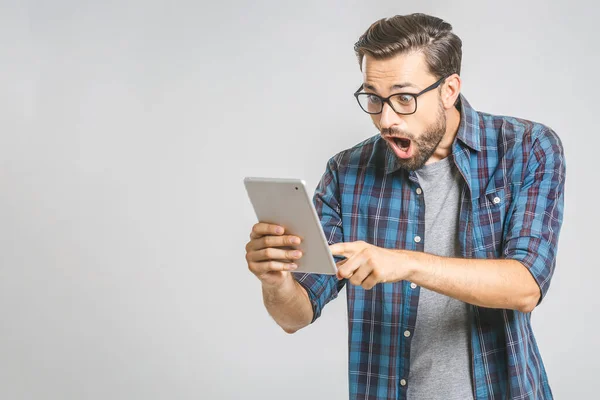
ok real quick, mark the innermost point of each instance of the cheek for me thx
(423, 123)
(429, 115)
(376, 118)
(414, 127)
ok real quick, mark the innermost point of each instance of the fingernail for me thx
(296, 240)
(296, 254)
(279, 230)
(293, 266)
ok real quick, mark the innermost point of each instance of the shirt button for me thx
(406, 333)
(413, 285)
(419, 191)
(496, 200)
(417, 239)
(403, 382)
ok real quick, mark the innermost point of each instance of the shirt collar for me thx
(469, 133)
(469, 130)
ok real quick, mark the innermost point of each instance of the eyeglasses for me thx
(401, 103)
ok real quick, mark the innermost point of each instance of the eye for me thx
(373, 99)
(404, 98)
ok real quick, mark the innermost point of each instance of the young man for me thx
(448, 221)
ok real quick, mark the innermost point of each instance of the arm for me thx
(294, 299)
(289, 305)
(283, 297)
(487, 283)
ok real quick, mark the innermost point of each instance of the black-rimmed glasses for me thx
(401, 103)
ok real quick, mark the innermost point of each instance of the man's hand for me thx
(271, 253)
(367, 265)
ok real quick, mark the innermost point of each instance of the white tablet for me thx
(286, 202)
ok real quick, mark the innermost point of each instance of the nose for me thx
(388, 117)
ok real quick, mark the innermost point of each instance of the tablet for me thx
(286, 202)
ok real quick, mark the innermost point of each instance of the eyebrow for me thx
(397, 86)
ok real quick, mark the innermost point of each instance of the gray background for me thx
(126, 128)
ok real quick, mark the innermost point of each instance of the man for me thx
(448, 221)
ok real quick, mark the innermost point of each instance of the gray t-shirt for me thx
(440, 357)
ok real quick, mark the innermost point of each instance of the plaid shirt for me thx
(511, 208)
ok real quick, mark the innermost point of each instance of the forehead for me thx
(403, 70)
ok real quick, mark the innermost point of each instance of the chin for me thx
(413, 163)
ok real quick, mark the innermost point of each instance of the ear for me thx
(451, 90)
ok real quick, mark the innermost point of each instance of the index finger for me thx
(346, 249)
(263, 229)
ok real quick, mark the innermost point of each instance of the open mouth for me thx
(402, 146)
(402, 143)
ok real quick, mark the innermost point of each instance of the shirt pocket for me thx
(490, 221)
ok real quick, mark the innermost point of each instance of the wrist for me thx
(410, 262)
(280, 288)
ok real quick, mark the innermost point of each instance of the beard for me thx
(424, 145)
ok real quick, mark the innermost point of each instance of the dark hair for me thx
(432, 36)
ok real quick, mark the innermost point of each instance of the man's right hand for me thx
(265, 256)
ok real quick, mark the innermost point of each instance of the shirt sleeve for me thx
(534, 226)
(323, 288)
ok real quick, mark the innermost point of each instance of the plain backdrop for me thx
(126, 129)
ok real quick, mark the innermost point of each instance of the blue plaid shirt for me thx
(511, 207)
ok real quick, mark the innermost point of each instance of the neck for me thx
(444, 149)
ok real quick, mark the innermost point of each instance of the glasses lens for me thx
(404, 103)
(369, 103)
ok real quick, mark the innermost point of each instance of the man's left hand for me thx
(367, 265)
